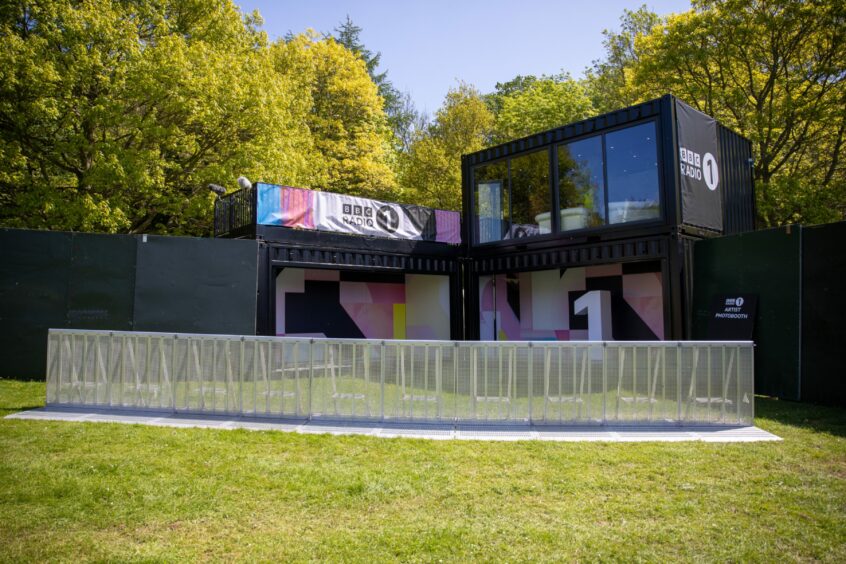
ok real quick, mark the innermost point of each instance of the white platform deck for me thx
(438, 431)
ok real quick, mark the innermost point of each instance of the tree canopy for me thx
(114, 116)
(432, 167)
(402, 116)
(538, 104)
(343, 113)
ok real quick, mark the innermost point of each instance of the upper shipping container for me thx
(659, 165)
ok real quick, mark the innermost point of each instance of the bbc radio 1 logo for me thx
(386, 217)
(353, 214)
(734, 302)
(697, 167)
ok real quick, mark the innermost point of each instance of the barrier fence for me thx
(556, 382)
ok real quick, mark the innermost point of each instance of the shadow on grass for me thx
(824, 419)
(6, 409)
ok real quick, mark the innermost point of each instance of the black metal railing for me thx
(234, 212)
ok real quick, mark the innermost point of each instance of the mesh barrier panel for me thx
(518, 382)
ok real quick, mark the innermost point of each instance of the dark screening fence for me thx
(117, 282)
(823, 313)
(765, 263)
(797, 275)
(196, 285)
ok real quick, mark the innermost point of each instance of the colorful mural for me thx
(351, 304)
(538, 305)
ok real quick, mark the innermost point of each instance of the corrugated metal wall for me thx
(736, 180)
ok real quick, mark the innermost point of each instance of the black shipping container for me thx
(639, 184)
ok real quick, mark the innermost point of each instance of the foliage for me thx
(400, 110)
(99, 491)
(773, 71)
(344, 115)
(540, 104)
(469, 121)
(432, 169)
(608, 81)
(115, 116)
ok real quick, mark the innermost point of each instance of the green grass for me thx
(97, 491)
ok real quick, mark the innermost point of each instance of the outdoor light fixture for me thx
(217, 189)
(244, 182)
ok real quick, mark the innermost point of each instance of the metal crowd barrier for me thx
(552, 382)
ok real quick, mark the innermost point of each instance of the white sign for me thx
(362, 216)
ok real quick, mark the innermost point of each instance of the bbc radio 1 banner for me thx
(701, 194)
(324, 211)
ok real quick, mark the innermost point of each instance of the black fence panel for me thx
(823, 313)
(767, 264)
(33, 292)
(52, 279)
(101, 282)
(196, 285)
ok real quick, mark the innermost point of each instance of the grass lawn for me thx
(97, 491)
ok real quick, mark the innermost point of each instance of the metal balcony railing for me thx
(234, 212)
(518, 382)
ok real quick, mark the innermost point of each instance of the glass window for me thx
(581, 189)
(632, 169)
(491, 196)
(531, 198)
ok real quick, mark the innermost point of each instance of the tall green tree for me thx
(539, 104)
(431, 171)
(399, 108)
(609, 80)
(776, 72)
(344, 115)
(114, 116)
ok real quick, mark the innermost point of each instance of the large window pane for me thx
(531, 199)
(632, 167)
(491, 197)
(581, 193)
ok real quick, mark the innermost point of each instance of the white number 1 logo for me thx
(710, 171)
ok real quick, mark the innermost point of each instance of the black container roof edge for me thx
(601, 122)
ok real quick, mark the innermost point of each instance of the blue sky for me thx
(427, 46)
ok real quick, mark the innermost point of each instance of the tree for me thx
(504, 89)
(398, 106)
(432, 170)
(608, 82)
(540, 104)
(344, 115)
(115, 116)
(773, 71)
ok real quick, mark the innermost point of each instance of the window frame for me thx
(557, 233)
(553, 196)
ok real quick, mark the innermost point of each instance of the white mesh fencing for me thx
(556, 382)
